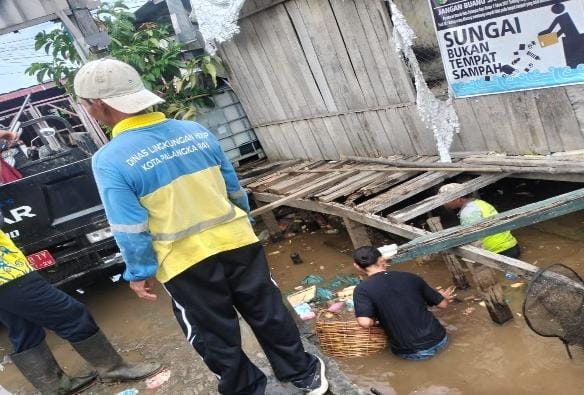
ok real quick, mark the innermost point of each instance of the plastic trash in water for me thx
(80, 291)
(336, 307)
(157, 380)
(4, 391)
(129, 391)
(264, 235)
(511, 276)
(116, 278)
(312, 279)
(350, 305)
(323, 294)
(343, 281)
(304, 311)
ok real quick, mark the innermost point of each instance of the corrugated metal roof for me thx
(19, 14)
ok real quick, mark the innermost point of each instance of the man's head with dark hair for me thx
(366, 256)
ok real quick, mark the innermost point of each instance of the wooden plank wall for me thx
(320, 79)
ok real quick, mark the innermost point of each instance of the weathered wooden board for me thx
(378, 43)
(396, 129)
(269, 145)
(523, 119)
(454, 265)
(329, 68)
(291, 183)
(263, 183)
(492, 116)
(289, 89)
(328, 147)
(264, 170)
(470, 135)
(327, 180)
(357, 232)
(315, 70)
(381, 21)
(309, 143)
(559, 114)
(348, 186)
(403, 191)
(509, 220)
(336, 130)
(438, 200)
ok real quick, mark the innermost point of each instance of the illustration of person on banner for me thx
(572, 39)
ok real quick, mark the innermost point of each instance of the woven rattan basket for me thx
(344, 338)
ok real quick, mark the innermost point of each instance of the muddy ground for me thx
(482, 358)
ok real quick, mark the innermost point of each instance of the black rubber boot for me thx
(39, 366)
(110, 366)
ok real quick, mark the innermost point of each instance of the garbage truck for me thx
(52, 209)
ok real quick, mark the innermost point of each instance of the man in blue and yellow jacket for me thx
(28, 304)
(179, 215)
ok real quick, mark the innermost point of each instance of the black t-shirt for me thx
(400, 302)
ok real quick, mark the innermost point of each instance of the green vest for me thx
(498, 242)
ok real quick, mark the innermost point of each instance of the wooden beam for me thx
(329, 180)
(403, 191)
(487, 258)
(452, 262)
(357, 233)
(469, 168)
(348, 186)
(492, 293)
(579, 178)
(512, 219)
(557, 167)
(269, 219)
(257, 172)
(263, 182)
(524, 162)
(84, 30)
(438, 200)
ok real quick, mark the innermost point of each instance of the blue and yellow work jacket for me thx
(171, 196)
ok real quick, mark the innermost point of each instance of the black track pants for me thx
(204, 301)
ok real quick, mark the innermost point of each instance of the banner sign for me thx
(495, 46)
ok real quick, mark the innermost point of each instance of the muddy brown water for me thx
(482, 358)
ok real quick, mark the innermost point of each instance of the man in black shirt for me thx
(400, 301)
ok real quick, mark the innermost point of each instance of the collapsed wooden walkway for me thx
(365, 191)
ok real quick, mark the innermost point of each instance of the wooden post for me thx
(452, 262)
(492, 293)
(357, 233)
(269, 219)
(184, 29)
(86, 34)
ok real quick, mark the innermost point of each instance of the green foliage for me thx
(149, 48)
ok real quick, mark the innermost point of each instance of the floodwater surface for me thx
(482, 358)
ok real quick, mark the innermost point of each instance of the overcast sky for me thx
(17, 53)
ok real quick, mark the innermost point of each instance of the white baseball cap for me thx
(452, 187)
(116, 83)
